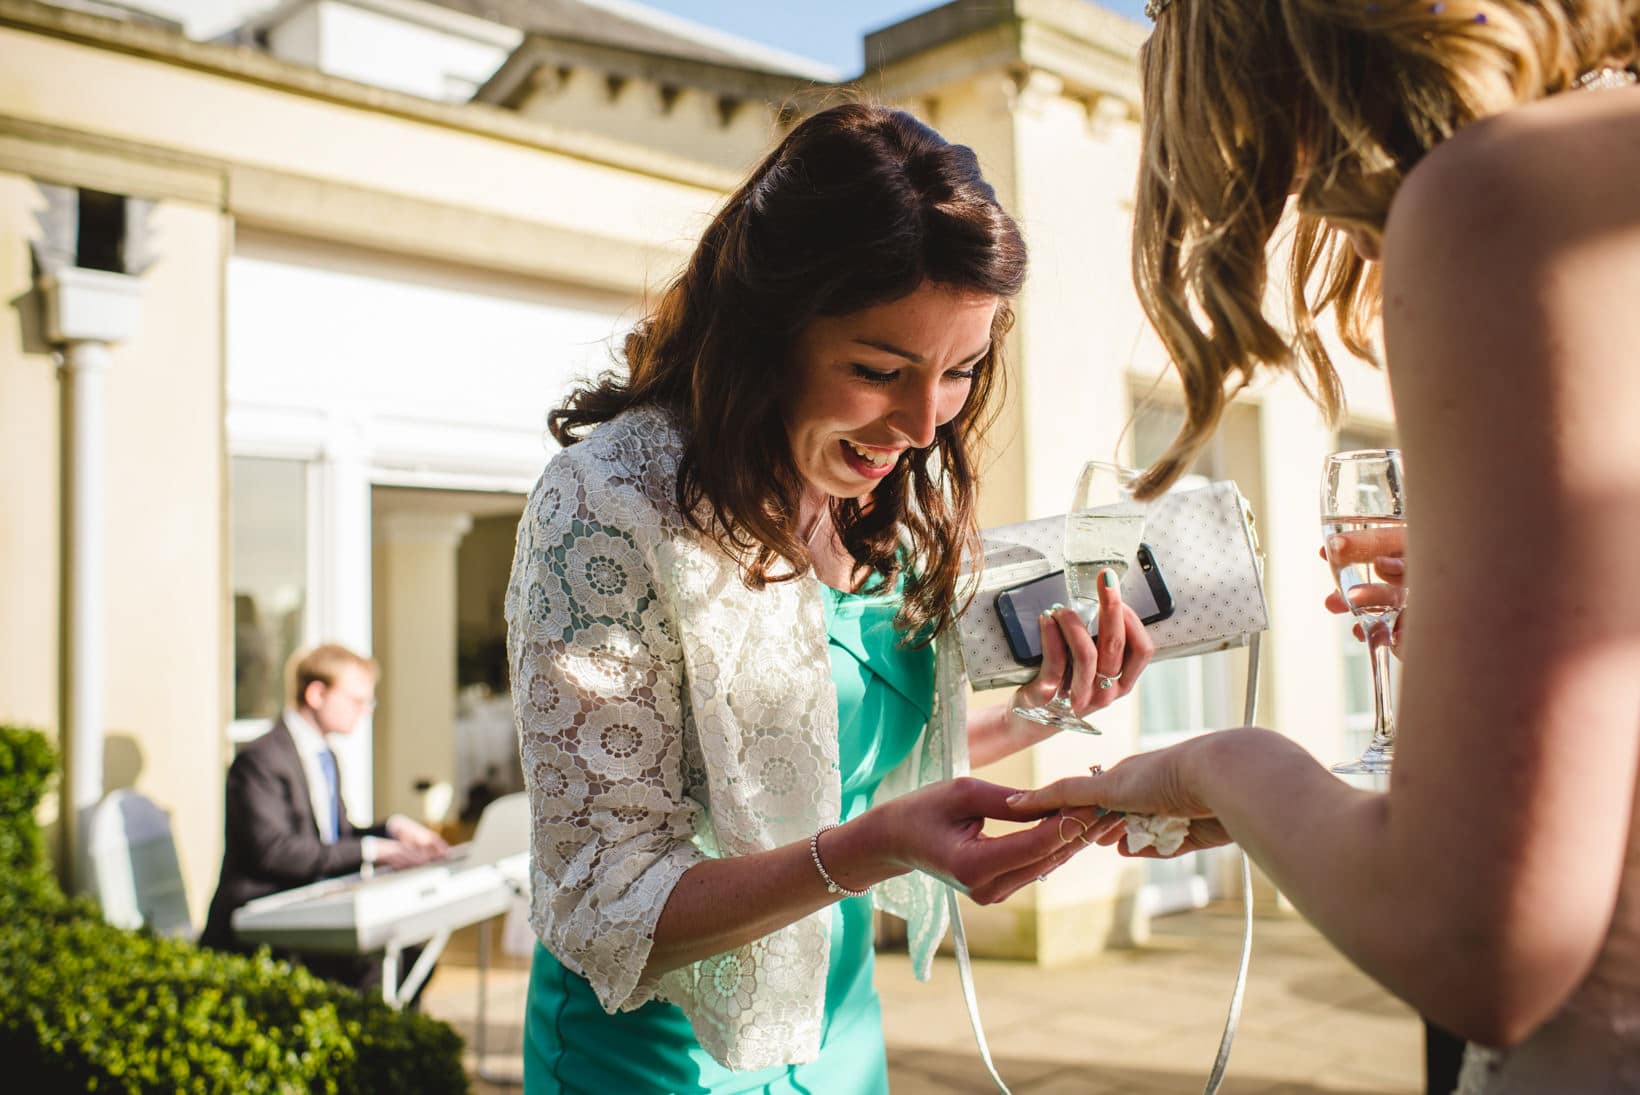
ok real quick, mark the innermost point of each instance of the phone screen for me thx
(1020, 607)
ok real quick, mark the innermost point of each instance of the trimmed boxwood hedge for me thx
(85, 1006)
(26, 766)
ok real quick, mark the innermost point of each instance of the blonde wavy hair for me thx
(1244, 99)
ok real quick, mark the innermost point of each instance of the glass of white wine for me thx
(1362, 522)
(1102, 530)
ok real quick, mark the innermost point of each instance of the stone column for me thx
(414, 739)
(87, 312)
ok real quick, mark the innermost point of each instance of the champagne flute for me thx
(1102, 530)
(1363, 521)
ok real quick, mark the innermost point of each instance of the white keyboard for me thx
(387, 911)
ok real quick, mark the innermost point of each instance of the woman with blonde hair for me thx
(1467, 173)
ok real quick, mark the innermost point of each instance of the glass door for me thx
(269, 567)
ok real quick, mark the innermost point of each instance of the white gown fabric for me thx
(667, 713)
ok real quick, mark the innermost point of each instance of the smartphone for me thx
(1020, 607)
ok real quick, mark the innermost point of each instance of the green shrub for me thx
(27, 765)
(85, 1006)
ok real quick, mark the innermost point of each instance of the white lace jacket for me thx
(666, 713)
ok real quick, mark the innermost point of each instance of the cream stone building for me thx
(359, 247)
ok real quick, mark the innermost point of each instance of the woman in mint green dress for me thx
(736, 713)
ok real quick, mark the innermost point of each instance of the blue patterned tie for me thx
(327, 765)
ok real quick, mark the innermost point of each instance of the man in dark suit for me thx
(286, 825)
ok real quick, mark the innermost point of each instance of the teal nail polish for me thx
(1056, 607)
(1108, 576)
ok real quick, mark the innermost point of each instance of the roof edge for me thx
(723, 79)
(430, 16)
(256, 67)
(1094, 25)
(763, 57)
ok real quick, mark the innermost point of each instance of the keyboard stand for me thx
(481, 1026)
(396, 995)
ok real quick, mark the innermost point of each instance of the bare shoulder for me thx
(1531, 182)
(1513, 250)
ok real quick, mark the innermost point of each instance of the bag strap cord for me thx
(965, 972)
(1221, 1061)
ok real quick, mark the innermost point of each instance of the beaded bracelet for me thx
(832, 885)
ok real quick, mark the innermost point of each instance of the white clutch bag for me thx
(1204, 545)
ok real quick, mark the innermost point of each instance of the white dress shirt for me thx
(310, 742)
(310, 745)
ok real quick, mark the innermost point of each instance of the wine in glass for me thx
(1102, 530)
(1363, 522)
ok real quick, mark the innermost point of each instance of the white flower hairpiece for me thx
(1154, 8)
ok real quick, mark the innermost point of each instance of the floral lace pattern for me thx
(666, 713)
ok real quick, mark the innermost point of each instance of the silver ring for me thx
(1105, 680)
(1096, 769)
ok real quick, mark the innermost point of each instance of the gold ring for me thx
(1082, 836)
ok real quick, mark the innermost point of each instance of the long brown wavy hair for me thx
(1245, 98)
(859, 205)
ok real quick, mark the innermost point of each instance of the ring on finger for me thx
(1106, 680)
(1082, 836)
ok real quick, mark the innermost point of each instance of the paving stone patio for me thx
(1131, 1022)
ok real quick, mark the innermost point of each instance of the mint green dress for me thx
(572, 1046)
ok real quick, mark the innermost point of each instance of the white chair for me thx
(131, 866)
(503, 830)
(502, 837)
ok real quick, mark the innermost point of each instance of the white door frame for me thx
(343, 467)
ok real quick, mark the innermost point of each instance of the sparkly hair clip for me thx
(1154, 8)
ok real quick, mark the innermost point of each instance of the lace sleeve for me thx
(597, 684)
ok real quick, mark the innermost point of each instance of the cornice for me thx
(512, 80)
(255, 67)
(329, 209)
(1094, 51)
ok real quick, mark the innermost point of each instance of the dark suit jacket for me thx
(272, 842)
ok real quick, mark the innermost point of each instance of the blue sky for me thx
(829, 31)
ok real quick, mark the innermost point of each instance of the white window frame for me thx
(1178, 885)
(338, 551)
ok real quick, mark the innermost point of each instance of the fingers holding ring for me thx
(1082, 836)
(1106, 680)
